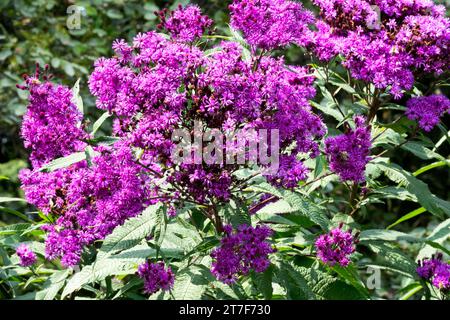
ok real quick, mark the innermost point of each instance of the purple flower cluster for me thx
(185, 24)
(336, 247)
(165, 84)
(51, 126)
(240, 252)
(270, 24)
(156, 277)
(152, 87)
(384, 42)
(436, 271)
(427, 110)
(348, 153)
(87, 202)
(26, 255)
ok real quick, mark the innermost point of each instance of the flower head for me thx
(26, 255)
(240, 252)
(349, 153)
(269, 24)
(185, 24)
(156, 277)
(427, 110)
(336, 247)
(384, 42)
(436, 271)
(51, 127)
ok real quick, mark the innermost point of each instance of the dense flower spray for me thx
(51, 125)
(241, 251)
(427, 110)
(26, 255)
(270, 24)
(336, 247)
(384, 42)
(185, 24)
(87, 202)
(349, 153)
(156, 277)
(436, 271)
(152, 87)
(221, 89)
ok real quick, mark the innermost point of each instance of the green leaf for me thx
(395, 193)
(413, 289)
(327, 109)
(16, 213)
(432, 166)
(440, 234)
(123, 263)
(429, 201)
(293, 281)
(263, 282)
(392, 259)
(386, 235)
(189, 284)
(386, 136)
(236, 213)
(132, 232)
(408, 216)
(114, 14)
(14, 229)
(350, 275)
(63, 162)
(421, 151)
(344, 86)
(76, 98)
(53, 285)
(68, 68)
(299, 203)
(99, 122)
(8, 199)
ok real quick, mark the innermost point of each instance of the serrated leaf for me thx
(327, 109)
(395, 193)
(53, 285)
(14, 229)
(133, 231)
(429, 201)
(421, 151)
(190, 284)
(101, 269)
(236, 213)
(263, 282)
(298, 202)
(386, 136)
(350, 275)
(294, 282)
(392, 259)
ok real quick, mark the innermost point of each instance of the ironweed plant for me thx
(230, 173)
